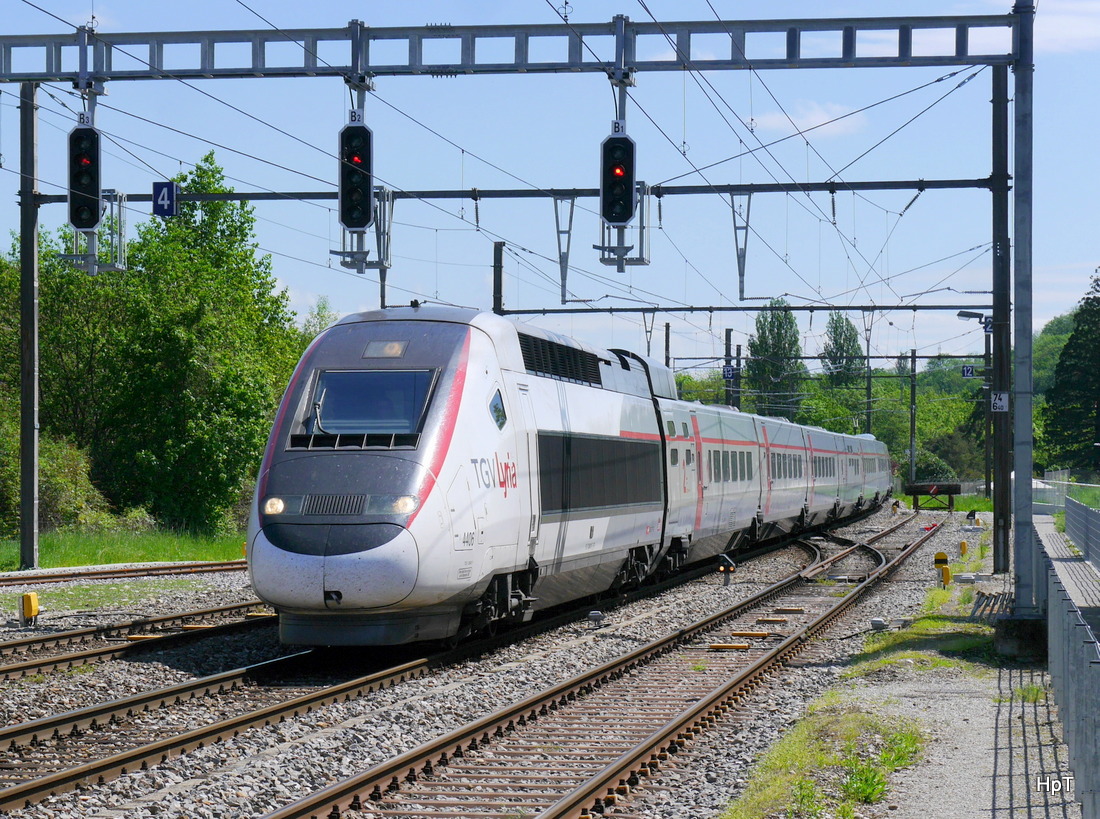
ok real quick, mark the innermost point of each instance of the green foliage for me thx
(844, 358)
(805, 800)
(774, 372)
(709, 388)
(863, 781)
(319, 317)
(930, 467)
(1047, 348)
(832, 408)
(167, 373)
(1072, 415)
(66, 494)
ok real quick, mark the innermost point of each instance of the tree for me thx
(1073, 410)
(709, 389)
(1047, 348)
(319, 317)
(844, 360)
(774, 372)
(167, 374)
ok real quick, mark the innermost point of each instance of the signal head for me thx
(356, 195)
(84, 178)
(617, 173)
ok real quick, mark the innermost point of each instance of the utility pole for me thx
(729, 363)
(28, 327)
(988, 415)
(912, 416)
(867, 422)
(737, 380)
(1001, 380)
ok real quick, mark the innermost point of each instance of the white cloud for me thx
(808, 114)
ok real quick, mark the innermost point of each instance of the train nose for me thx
(342, 567)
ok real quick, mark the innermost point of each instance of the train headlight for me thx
(286, 505)
(392, 504)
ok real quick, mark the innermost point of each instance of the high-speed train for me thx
(433, 472)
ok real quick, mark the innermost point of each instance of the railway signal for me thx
(617, 195)
(84, 178)
(356, 181)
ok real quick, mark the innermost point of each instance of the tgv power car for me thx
(434, 471)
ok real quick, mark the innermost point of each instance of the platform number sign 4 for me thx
(968, 370)
(164, 199)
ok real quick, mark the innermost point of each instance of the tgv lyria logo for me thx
(496, 472)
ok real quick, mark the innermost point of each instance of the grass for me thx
(60, 549)
(943, 637)
(116, 596)
(976, 503)
(839, 756)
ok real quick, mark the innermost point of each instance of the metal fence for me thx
(1083, 528)
(1074, 664)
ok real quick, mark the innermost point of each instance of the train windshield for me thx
(368, 402)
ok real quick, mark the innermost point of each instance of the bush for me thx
(930, 468)
(66, 495)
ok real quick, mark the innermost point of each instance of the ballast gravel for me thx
(266, 768)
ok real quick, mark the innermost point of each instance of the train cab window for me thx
(675, 456)
(496, 410)
(357, 402)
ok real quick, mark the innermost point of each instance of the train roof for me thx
(620, 371)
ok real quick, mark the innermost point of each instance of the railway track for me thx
(44, 653)
(37, 578)
(81, 750)
(578, 749)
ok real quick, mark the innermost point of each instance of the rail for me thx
(356, 792)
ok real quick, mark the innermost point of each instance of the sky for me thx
(544, 131)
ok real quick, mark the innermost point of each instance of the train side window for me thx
(675, 456)
(725, 466)
(748, 463)
(743, 465)
(496, 410)
(671, 429)
(710, 469)
(688, 457)
(684, 426)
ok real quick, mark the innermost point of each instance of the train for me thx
(435, 472)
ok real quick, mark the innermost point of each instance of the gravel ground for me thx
(987, 750)
(265, 768)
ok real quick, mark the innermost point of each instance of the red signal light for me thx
(356, 159)
(84, 160)
(618, 170)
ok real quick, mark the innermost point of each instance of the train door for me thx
(527, 438)
(680, 464)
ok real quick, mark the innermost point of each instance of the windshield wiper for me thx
(317, 413)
